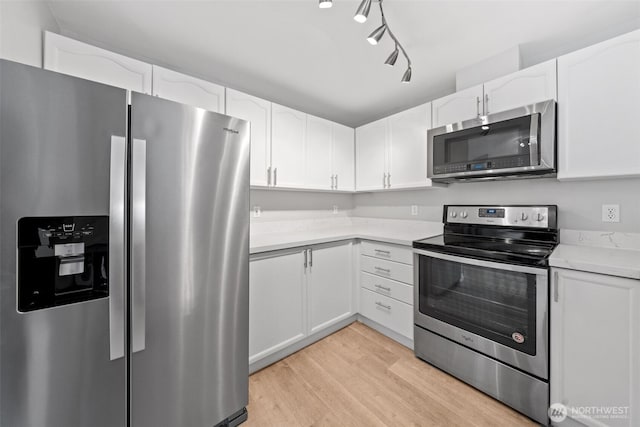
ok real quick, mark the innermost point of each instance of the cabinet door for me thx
(188, 90)
(68, 56)
(343, 152)
(288, 129)
(598, 110)
(408, 147)
(528, 86)
(258, 112)
(318, 153)
(595, 345)
(459, 106)
(371, 147)
(277, 302)
(330, 286)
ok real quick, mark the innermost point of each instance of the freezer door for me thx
(190, 264)
(62, 365)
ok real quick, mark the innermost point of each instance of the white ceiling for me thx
(318, 61)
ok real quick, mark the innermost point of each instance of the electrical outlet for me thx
(610, 213)
(335, 209)
(257, 211)
(414, 210)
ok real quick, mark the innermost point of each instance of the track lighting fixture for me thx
(406, 77)
(377, 34)
(363, 11)
(391, 60)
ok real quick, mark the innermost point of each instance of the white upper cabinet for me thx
(258, 112)
(525, 87)
(392, 153)
(457, 107)
(408, 147)
(599, 110)
(288, 133)
(318, 169)
(330, 286)
(343, 152)
(69, 56)
(371, 156)
(188, 90)
(595, 346)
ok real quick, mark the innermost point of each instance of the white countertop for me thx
(614, 254)
(292, 234)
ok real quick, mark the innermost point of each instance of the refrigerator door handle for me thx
(117, 246)
(138, 243)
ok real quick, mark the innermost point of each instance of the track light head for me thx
(377, 34)
(406, 77)
(391, 60)
(363, 11)
(325, 4)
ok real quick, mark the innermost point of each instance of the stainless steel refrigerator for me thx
(124, 257)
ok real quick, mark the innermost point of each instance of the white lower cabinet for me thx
(293, 295)
(277, 309)
(388, 312)
(595, 348)
(329, 286)
(386, 286)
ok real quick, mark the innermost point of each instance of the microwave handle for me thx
(534, 152)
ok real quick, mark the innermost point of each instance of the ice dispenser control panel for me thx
(62, 260)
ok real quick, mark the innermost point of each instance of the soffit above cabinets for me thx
(318, 61)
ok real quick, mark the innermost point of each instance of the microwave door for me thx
(521, 141)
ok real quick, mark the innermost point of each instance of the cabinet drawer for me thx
(390, 288)
(389, 269)
(393, 314)
(389, 252)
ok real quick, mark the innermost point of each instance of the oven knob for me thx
(464, 214)
(453, 214)
(523, 216)
(540, 217)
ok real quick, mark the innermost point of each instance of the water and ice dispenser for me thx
(62, 260)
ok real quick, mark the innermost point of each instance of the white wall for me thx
(21, 26)
(283, 205)
(579, 203)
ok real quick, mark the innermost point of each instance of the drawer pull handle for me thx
(379, 304)
(380, 251)
(383, 287)
(386, 270)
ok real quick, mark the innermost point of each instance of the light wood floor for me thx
(358, 377)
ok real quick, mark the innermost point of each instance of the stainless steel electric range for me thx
(481, 301)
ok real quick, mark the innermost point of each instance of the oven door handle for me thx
(481, 262)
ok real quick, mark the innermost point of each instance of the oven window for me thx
(499, 305)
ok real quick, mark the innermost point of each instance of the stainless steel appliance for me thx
(518, 143)
(481, 301)
(124, 257)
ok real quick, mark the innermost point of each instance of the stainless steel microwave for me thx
(517, 143)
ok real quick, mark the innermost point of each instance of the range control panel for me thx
(544, 216)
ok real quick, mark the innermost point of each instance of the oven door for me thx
(506, 143)
(500, 310)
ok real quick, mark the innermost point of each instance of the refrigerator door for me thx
(56, 367)
(190, 264)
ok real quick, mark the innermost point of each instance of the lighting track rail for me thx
(362, 13)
